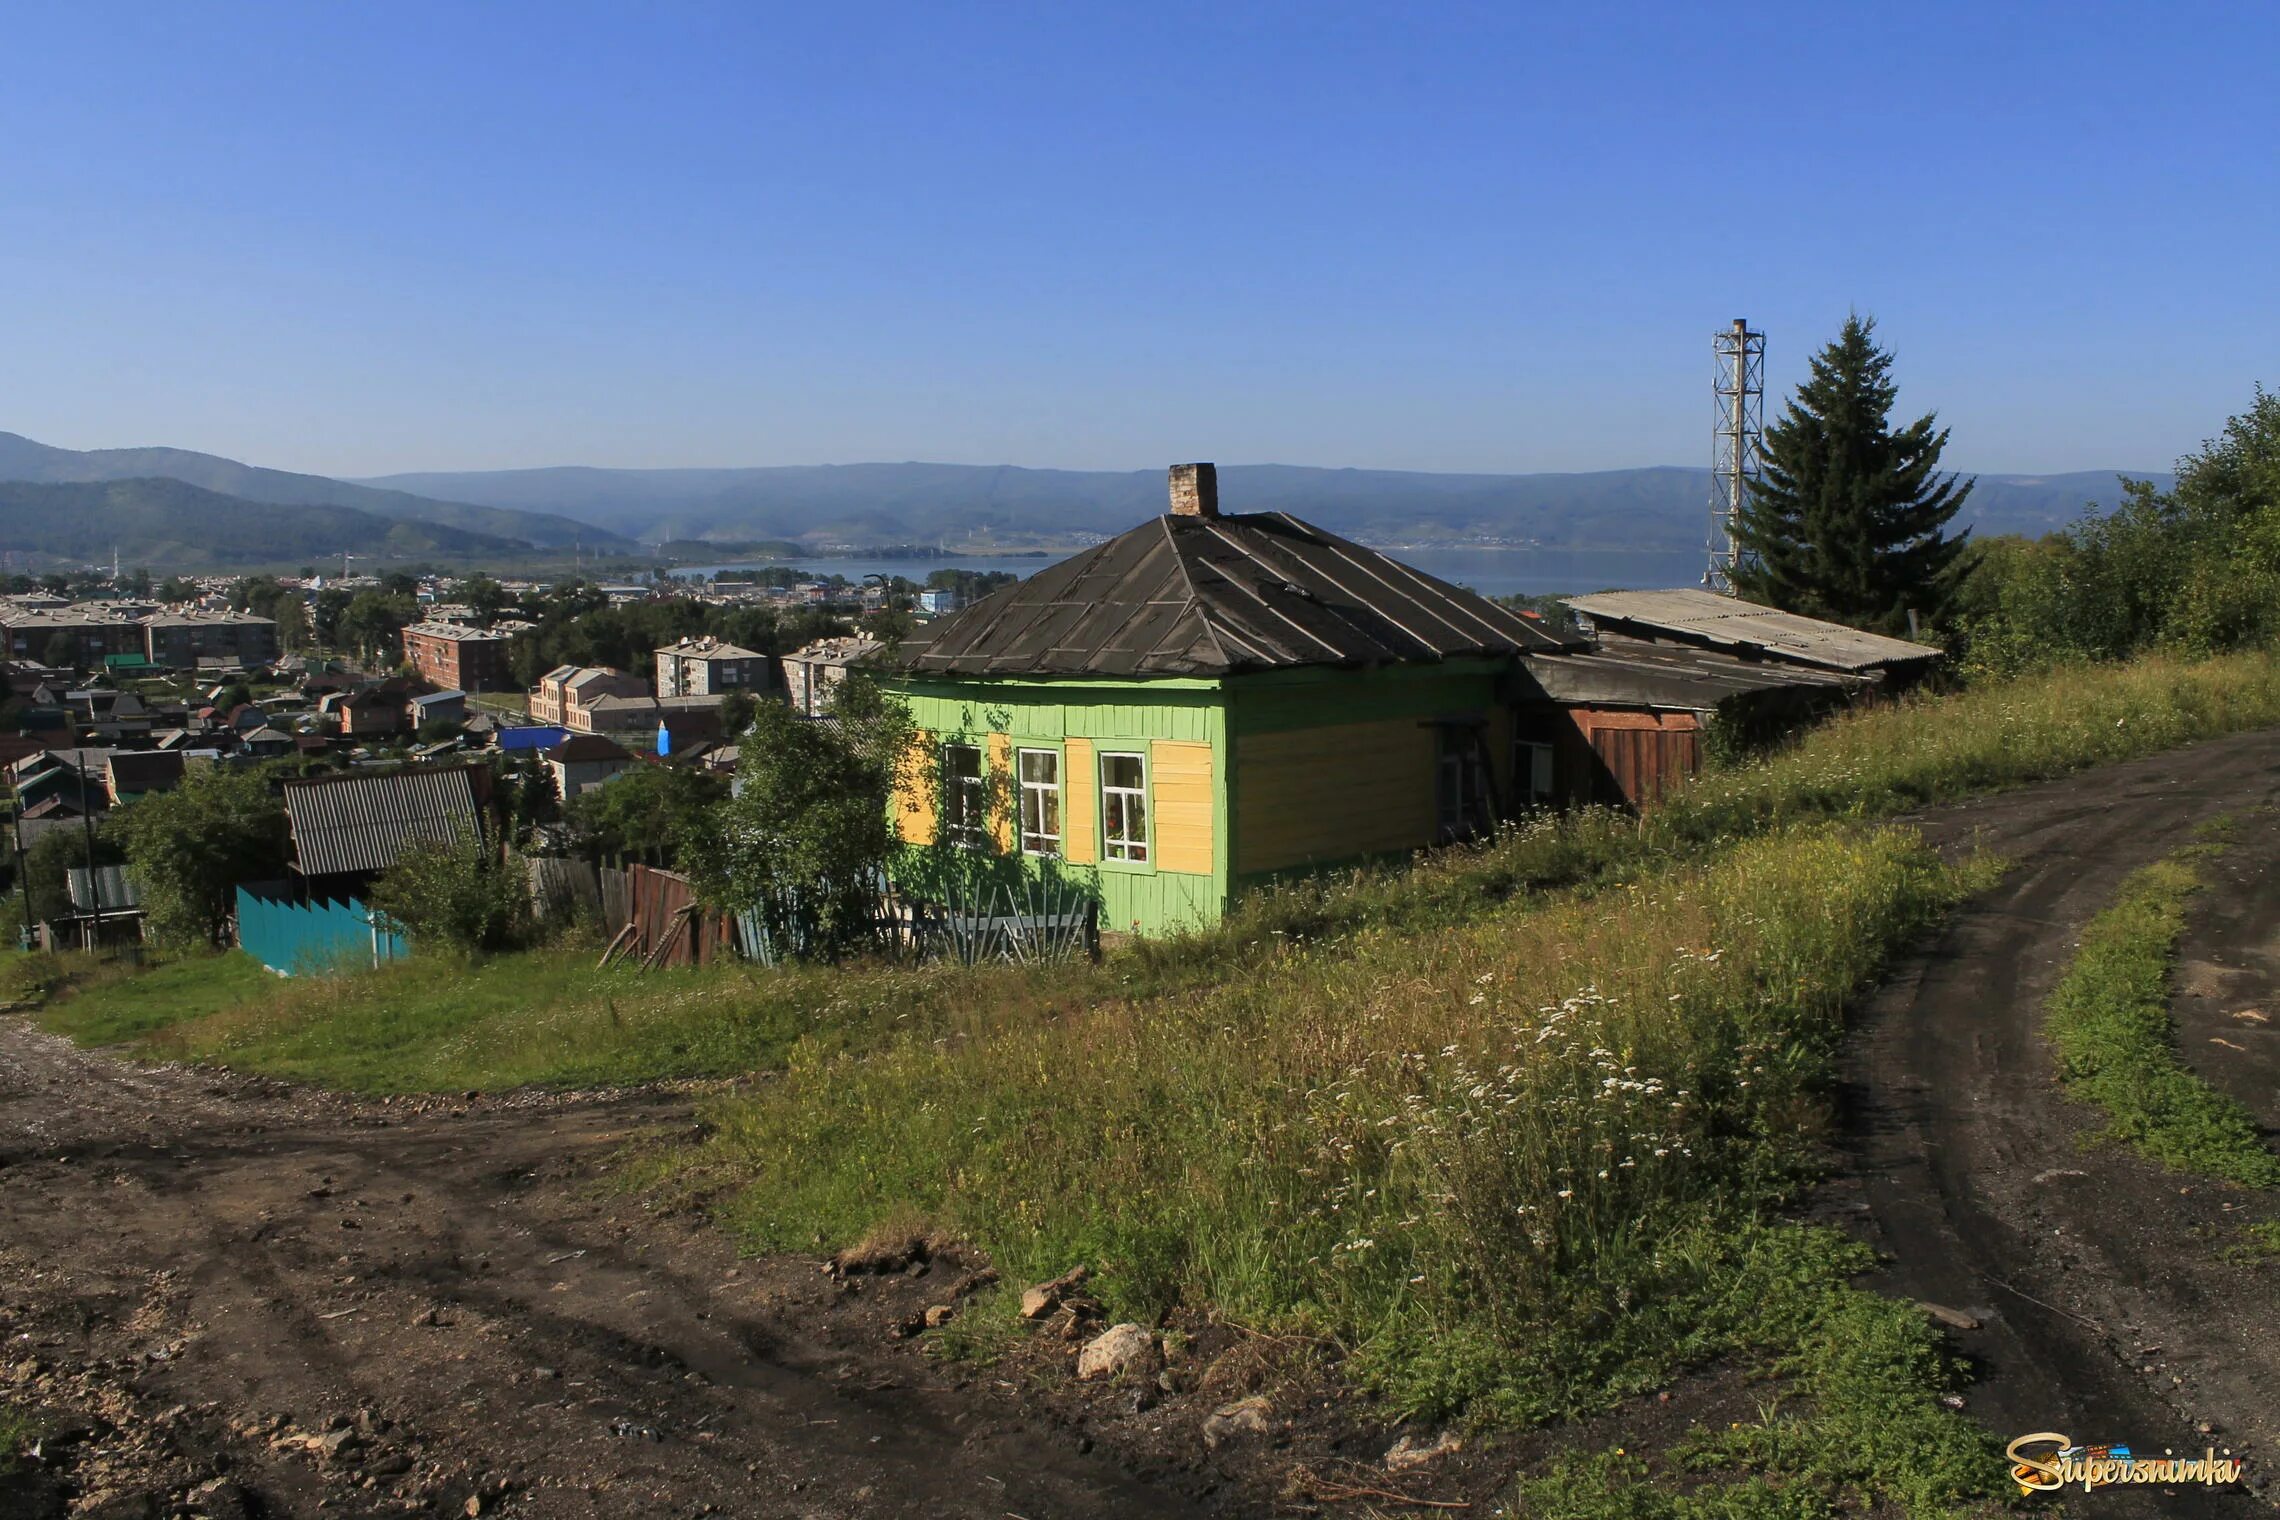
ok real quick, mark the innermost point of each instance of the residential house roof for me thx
(1214, 596)
(131, 772)
(457, 633)
(358, 823)
(710, 648)
(1746, 628)
(839, 651)
(588, 748)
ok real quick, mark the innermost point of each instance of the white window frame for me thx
(966, 799)
(1460, 789)
(1037, 841)
(1535, 782)
(1125, 849)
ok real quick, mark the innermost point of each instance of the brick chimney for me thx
(1195, 490)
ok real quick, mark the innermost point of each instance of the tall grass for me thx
(2109, 1019)
(1504, 1163)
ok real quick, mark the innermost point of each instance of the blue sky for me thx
(353, 239)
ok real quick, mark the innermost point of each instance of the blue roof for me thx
(532, 738)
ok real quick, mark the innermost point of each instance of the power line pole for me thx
(1735, 443)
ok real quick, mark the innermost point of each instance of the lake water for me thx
(1492, 572)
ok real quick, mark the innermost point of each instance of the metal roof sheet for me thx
(362, 823)
(1210, 596)
(118, 890)
(1623, 672)
(1727, 622)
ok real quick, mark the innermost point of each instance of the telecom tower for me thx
(1740, 389)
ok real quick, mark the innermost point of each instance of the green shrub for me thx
(454, 895)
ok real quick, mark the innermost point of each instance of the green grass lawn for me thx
(109, 1003)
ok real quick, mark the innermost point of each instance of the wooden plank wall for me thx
(1182, 794)
(1080, 782)
(1309, 795)
(1638, 755)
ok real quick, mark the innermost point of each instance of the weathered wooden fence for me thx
(565, 888)
(295, 938)
(666, 926)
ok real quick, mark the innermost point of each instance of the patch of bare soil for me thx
(225, 1297)
(2227, 1005)
(2097, 1287)
(228, 1297)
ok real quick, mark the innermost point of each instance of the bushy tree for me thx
(806, 837)
(454, 895)
(191, 848)
(1847, 519)
(2196, 568)
(651, 807)
(58, 850)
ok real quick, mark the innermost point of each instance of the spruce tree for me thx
(1845, 520)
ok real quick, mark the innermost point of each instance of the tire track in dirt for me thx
(2105, 1308)
(448, 1285)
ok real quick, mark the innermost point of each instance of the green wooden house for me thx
(1207, 702)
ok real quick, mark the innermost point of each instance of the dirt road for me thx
(2108, 1309)
(276, 1302)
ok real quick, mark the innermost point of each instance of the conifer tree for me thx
(1846, 519)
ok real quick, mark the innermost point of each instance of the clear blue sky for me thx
(353, 239)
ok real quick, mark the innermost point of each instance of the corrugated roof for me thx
(1725, 622)
(362, 823)
(118, 890)
(1623, 672)
(1212, 596)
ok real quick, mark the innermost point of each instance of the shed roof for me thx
(362, 823)
(1725, 622)
(119, 891)
(1213, 596)
(1625, 672)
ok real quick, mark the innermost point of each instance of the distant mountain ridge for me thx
(1659, 507)
(982, 507)
(24, 459)
(166, 525)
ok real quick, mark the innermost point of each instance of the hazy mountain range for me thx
(23, 459)
(1662, 507)
(176, 508)
(170, 524)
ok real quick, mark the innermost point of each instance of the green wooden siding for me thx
(1038, 713)
(1044, 715)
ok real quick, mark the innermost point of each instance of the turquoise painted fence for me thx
(312, 938)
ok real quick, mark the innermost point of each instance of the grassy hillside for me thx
(172, 524)
(24, 459)
(1513, 1134)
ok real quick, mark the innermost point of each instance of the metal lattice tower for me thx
(1740, 389)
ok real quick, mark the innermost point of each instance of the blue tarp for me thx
(531, 738)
